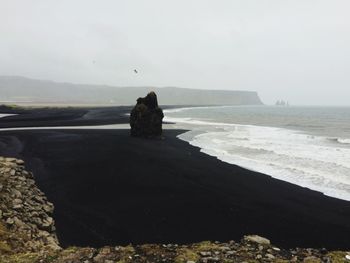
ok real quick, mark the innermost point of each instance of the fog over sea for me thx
(307, 146)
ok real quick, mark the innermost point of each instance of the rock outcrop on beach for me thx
(146, 117)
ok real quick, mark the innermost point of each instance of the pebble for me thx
(16, 193)
(257, 239)
(17, 201)
(18, 206)
(10, 221)
(270, 256)
(225, 248)
(19, 162)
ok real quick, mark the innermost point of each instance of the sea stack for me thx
(146, 117)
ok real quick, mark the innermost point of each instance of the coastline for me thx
(308, 154)
(158, 191)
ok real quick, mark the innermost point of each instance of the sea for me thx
(306, 146)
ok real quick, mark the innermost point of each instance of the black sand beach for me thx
(110, 188)
(69, 116)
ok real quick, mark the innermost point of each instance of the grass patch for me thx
(10, 107)
(20, 258)
(312, 260)
(185, 255)
(69, 251)
(151, 249)
(338, 256)
(5, 248)
(3, 230)
(206, 246)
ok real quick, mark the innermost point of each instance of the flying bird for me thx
(136, 71)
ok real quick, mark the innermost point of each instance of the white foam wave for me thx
(192, 108)
(197, 122)
(310, 161)
(344, 141)
(175, 110)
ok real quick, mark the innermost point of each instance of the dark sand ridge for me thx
(109, 188)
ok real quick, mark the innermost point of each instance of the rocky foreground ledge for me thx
(27, 235)
(26, 223)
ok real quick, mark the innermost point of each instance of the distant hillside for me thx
(20, 89)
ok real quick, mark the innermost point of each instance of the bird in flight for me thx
(136, 71)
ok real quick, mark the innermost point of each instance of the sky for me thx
(296, 50)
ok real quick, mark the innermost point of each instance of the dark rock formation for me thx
(146, 117)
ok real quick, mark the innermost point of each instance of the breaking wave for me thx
(311, 161)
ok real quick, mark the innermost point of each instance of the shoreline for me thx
(146, 191)
(310, 159)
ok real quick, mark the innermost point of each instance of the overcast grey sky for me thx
(297, 50)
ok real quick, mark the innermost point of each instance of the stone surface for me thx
(25, 210)
(257, 239)
(270, 256)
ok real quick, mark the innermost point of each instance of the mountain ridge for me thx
(22, 89)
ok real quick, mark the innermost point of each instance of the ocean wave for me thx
(307, 160)
(339, 140)
(176, 110)
(343, 141)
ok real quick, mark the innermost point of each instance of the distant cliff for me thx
(20, 89)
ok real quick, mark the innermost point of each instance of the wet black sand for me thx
(69, 116)
(110, 188)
